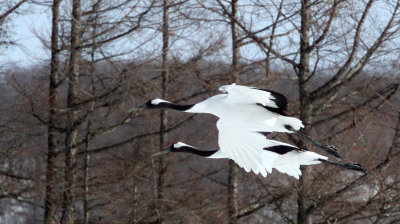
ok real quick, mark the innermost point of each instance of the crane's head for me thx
(227, 88)
(156, 103)
(176, 147)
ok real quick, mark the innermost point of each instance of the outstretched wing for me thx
(271, 100)
(245, 148)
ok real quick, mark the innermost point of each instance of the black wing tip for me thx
(278, 110)
(282, 149)
(264, 133)
(280, 99)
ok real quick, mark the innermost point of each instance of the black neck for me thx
(173, 106)
(192, 150)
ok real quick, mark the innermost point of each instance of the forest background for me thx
(75, 145)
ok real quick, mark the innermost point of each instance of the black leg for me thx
(332, 150)
(349, 166)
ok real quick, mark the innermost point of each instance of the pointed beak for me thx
(141, 107)
(138, 108)
(161, 153)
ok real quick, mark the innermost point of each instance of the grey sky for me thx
(28, 49)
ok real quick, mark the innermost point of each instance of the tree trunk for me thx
(271, 42)
(303, 72)
(232, 192)
(161, 166)
(233, 169)
(72, 131)
(86, 173)
(235, 44)
(86, 176)
(50, 202)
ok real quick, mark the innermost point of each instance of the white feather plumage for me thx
(243, 112)
(250, 151)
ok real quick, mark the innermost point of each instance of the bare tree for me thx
(160, 167)
(50, 202)
(233, 168)
(333, 60)
(7, 9)
(71, 135)
(313, 38)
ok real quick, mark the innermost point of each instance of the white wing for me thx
(246, 94)
(245, 148)
(291, 158)
(290, 162)
(252, 151)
